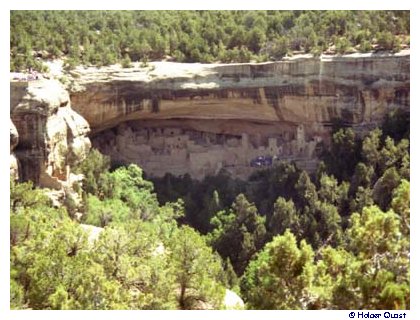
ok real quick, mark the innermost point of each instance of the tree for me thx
(281, 276)
(197, 270)
(334, 285)
(126, 62)
(344, 154)
(104, 37)
(92, 168)
(384, 187)
(383, 276)
(280, 48)
(284, 217)
(362, 177)
(328, 190)
(256, 39)
(362, 198)
(102, 213)
(401, 205)
(342, 45)
(238, 246)
(232, 280)
(371, 149)
(328, 224)
(46, 265)
(133, 254)
(306, 194)
(385, 40)
(365, 46)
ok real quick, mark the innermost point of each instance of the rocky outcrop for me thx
(14, 139)
(229, 116)
(52, 136)
(358, 88)
(232, 301)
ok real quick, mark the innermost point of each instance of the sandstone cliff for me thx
(358, 88)
(201, 118)
(52, 136)
(14, 139)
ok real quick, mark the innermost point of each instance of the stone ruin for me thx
(159, 150)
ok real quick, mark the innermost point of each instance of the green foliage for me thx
(365, 46)
(381, 153)
(197, 270)
(342, 45)
(336, 243)
(370, 270)
(126, 62)
(376, 240)
(280, 48)
(231, 278)
(281, 276)
(105, 37)
(48, 252)
(344, 154)
(306, 194)
(386, 40)
(130, 253)
(93, 168)
(102, 213)
(384, 187)
(401, 205)
(284, 217)
(238, 233)
(371, 148)
(201, 202)
(134, 264)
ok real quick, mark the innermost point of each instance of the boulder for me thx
(233, 301)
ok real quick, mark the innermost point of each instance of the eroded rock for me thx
(360, 88)
(236, 117)
(14, 139)
(52, 136)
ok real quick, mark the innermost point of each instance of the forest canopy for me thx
(107, 37)
(284, 239)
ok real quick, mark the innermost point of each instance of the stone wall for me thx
(181, 150)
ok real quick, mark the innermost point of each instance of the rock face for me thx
(199, 119)
(52, 137)
(14, 139)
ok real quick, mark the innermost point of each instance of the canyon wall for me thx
(48, 136)
(360, 89)
(201, 118)
(14, 140)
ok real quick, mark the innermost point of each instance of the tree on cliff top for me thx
(106, 37)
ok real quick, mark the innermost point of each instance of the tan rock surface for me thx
(232, 301)
(14, 139)
(201, 118)
(52, 136)
(359, 87)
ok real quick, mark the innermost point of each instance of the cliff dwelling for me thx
(199, 119)
(179, 148)
(202, 118)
